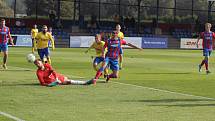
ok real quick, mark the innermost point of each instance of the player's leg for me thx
(32, 49)
(120, 61)
(96, 61)
(207, 61)
(114, 65)
(99, 72)
(203, 61)
(41, 54)
(47, 54)
(5, 55)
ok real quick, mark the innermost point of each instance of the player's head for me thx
(115, 35)
(35, 26)
(50, 29)
(39, 63)
(45, 28)
(118, 27)
(2, 22)
(208, 26)
(98, 38)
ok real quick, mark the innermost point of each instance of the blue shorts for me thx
(42, 52)
(113, 63)
(207, 52)
(3, 47)
(98, 60)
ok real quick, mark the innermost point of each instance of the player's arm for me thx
(133, 46)
(213, 40)
(88, 49)
(52, 71)
(104, 49)
(10, 38)
(31, 33)
(197, 42)
(35, 41)
(52, 41)
(40, 78)
(120, 58)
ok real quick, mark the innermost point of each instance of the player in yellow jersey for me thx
(34, 32)
(123, 42)
(98, 46)
(41, 43)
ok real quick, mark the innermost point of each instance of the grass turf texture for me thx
(173, 70)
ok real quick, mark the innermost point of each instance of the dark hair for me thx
(37, 61)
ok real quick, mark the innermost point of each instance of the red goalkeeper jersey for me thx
(48, 75)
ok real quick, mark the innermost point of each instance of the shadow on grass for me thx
(166, 73)
(15, 84)
(180, 102)
(185, 105)
(15, 70)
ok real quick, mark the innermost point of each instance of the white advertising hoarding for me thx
(190, 43)
(86, 41)
(137, 41)
(81, 41)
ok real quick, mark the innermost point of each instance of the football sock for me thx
(98, 74)
(106, 71)
(206, 64)
(49, 60)
(76, 82)
(203, 62)
(32, 49)
(112, 76)
(4, 59)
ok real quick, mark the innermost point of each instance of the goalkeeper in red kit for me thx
(47, 76)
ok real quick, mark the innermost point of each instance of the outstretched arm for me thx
(133, 46)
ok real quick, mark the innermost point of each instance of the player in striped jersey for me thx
(208, 44)
(114, 49)
(4, 35)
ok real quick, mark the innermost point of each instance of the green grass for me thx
(172, 70)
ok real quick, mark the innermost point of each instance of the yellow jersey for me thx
(34, 33)
(98, 47)
(121, 35)
(42, 40)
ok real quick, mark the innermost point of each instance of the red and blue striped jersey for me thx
(114, 48)
(4, 35)
(208, 39)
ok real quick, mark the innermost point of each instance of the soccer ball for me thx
(31, 58)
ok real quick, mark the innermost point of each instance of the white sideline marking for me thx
(10, 116)
(150, 88)
(161, 90)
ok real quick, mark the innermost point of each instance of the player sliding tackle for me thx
(114, 49)
(49, 77)
(208, 43)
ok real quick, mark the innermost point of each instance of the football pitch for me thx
(154, 85)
